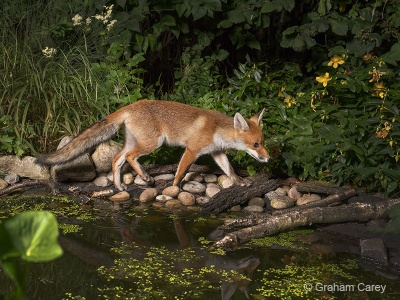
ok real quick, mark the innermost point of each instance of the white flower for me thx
(105, 17)
(77, 20)
(49, 52)
(111, 24)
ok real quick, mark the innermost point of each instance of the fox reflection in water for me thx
(97, 257)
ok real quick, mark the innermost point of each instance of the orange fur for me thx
(151, 123)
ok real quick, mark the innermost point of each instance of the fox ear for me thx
(258, 117)
(240, 123)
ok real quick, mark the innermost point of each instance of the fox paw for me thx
(121, 187)
(242, 181)
(147, 179)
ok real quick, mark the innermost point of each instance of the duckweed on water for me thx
(205, 245)
(160, 272)
(289, 282)
(69, 228)
(61, 206)
(284, 239)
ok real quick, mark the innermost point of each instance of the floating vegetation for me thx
(69, 228)
(298, 281)
(158, 273)
(284, 239)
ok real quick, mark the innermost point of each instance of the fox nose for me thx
(263, 158)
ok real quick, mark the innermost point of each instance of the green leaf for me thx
(180, 9)
(222, 54)
(339, 27)
(31, 235)
(168, 20)
(254, 44)
(287, 4)
(393, 56)
(198, 12)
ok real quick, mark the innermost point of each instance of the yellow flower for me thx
(376, 74)
(335, 61)
(368, 56)
(289, 100)
(380, 90)
(324, 79)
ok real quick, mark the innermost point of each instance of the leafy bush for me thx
(326, 70)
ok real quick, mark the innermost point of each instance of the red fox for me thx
(151, 123)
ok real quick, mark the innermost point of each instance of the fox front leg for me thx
(222, 160)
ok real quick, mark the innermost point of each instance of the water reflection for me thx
(141, 235)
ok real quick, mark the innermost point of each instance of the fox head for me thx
(251, 135)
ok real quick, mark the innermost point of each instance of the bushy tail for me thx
(86, 141)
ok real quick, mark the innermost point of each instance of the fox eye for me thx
(256, 145)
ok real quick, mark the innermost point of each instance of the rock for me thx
(202, 200)
(212, 189)
(121, 196)
(3, 184)
(166, 177)
(172, 191)
(157, 205)
(281, 202)
(103, 156)
(271, 195)
(194, 187)
(258, 201)
(286, 188)
(194, 208)
(127, 178)
(102, 181)
(173, 204)
(186, 198)
(193, 176)
(24, 167)
(294, 194)
(12, 178)
(210, 178)
(139, 181)
(253, 208)
(79, 169)
(225, 181)
(375, 250)
(148, 195)
(236, 208)
(163, 198)
(280, 191)
(308, 198)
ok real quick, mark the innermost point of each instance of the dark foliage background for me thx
(326, 71)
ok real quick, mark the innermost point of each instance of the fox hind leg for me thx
(133, 155)
(119, 161)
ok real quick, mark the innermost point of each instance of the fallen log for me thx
(319, 187)
(270, 225)
(237, 195)
(29, 183)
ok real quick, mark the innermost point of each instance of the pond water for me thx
(132, 251)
